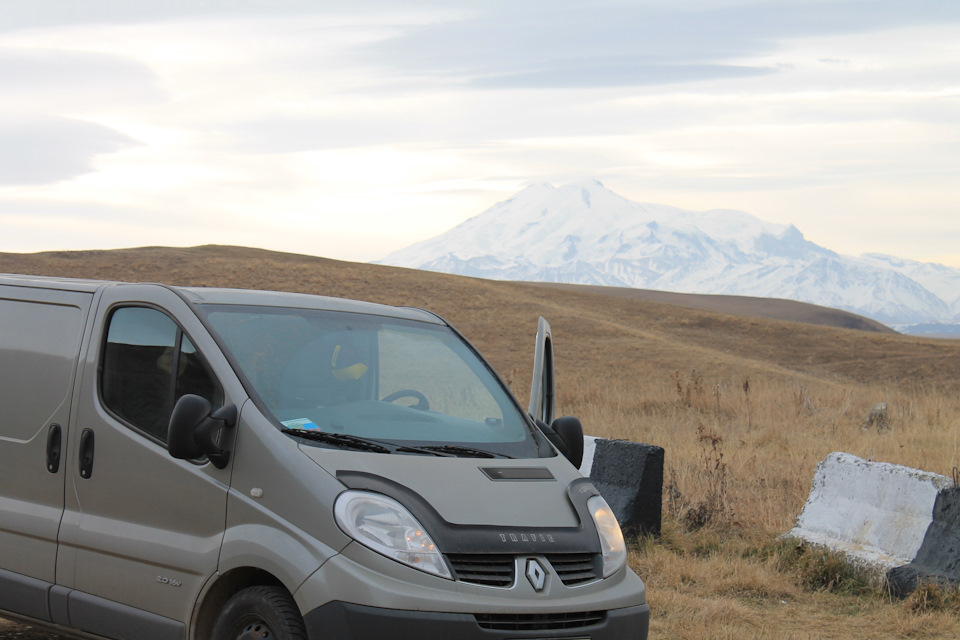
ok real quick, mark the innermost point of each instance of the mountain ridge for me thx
(584, 233)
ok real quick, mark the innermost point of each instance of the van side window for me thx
(147, 364)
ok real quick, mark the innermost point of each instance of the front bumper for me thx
(344, 621)
(360, 594)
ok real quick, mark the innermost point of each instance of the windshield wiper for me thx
(454, 450)
(341, 439)
(366, 444)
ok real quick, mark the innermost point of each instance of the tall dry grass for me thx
(740, 457)
(748, 447)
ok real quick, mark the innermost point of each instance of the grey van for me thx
(188, 463)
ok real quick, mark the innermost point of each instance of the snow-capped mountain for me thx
(583, 233)
(940, 280)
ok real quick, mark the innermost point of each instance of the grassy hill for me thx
(640, 334)
(770, 308)
(745, 395)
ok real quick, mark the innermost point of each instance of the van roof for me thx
(51, 282)
(252, 297)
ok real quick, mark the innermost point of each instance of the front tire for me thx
(260, 613)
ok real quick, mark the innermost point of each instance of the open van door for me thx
(565, 433)
(542, 399)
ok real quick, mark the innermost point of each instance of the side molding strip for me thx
(113, 620)
(24, 595)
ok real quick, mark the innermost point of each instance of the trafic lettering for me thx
(527, 537)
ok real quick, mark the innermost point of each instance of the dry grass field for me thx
(744, 402)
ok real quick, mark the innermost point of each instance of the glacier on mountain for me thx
(584, 233)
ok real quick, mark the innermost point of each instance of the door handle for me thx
(53, 448)
(86, 454)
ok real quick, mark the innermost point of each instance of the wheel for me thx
(422, 403)
(260, 613)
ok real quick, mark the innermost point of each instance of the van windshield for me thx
(391, 380)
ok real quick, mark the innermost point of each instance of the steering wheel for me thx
(422, 403)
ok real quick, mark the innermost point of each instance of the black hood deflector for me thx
(480, 538)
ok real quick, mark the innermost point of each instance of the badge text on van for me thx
(526, 537)
(169, 581)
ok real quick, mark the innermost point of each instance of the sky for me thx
(350, 130)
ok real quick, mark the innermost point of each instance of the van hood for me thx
(471, 505)
(467, 491)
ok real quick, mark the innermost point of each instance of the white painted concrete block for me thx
(875, 512)
(589, 449)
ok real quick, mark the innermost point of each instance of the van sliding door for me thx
(40, 336)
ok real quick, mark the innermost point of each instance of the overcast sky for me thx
(355, 129)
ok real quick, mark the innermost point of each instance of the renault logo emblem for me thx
(536, 575)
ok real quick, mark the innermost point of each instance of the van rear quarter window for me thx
(38, 351)
(147, 364)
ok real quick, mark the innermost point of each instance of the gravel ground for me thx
(14, 631)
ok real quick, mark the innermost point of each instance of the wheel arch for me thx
(221, 590)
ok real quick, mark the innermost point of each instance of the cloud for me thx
(24, 14)
(68, 213)
(54, 79)
(535, 43)
(48, 150)
(43, 224)
(573, 44)
(28, 14)
(30, 69)
(621, 73)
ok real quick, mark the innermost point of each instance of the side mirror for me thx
(571, 432)
(192, 431)
(566, 434)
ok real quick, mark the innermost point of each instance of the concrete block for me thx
(901, 522)
(938, 558)
(629, 476)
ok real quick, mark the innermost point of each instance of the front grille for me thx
(489, 570)
(538, 621)
(576, 568)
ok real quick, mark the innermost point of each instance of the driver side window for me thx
(146, 365)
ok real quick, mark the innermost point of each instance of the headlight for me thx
(385, 525)
(611, 537)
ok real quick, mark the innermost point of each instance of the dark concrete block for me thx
(629, 476)
(938, 559)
